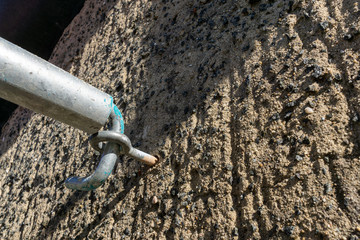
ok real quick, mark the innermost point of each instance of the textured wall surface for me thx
(253, 106)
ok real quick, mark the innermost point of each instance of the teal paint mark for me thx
(119, 117)
(117, 112)
(111, 102)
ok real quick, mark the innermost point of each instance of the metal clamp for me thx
(117, 143)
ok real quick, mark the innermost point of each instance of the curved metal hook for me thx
(102, 172)
(107, 162)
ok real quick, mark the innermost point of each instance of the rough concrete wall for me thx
(253, 106)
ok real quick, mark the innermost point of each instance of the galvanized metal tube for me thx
(34, 83)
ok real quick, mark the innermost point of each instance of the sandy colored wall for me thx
(219, 90)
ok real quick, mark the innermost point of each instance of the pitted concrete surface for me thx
(252, 105)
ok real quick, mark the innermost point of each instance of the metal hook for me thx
(115, 141)
(106, 165)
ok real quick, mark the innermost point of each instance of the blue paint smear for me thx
(117, 112)
(111, 102)
(120, 118)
